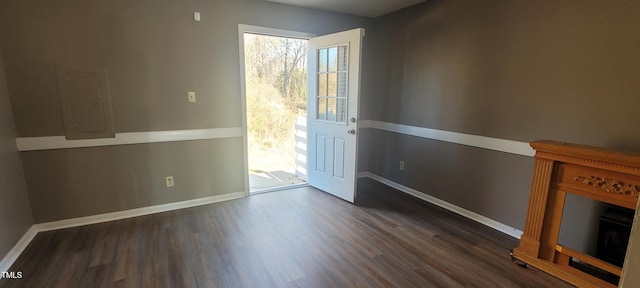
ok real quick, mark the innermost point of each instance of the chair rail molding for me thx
(60, 142)
(496, 144)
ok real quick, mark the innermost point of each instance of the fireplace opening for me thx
(613, 234)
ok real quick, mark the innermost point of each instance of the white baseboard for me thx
(93, 219)
(17, 249)
(13, 254)
(513, 232)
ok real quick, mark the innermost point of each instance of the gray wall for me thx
(517, 70)
(154, 53)
(68, 183)
(15, 213)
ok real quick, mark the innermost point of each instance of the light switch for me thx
(196, 16)
(191, 96)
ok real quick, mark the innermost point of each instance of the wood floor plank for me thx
(292, 238)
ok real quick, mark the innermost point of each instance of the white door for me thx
(332, 114)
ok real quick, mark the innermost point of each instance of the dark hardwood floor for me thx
(294, 238)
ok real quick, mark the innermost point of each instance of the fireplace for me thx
(613, 235)
(604, 175)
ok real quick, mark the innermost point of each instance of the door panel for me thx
(338, 158)
(333, 99)
(321, 144)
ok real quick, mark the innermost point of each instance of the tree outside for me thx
(276, 78)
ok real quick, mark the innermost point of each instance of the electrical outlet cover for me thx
(191, 96)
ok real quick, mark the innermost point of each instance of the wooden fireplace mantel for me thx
(601, 174)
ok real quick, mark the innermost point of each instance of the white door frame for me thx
(242, 28)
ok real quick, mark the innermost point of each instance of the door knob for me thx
(353, 119)
(352, 131)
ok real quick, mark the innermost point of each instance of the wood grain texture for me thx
(551, 225)
(600, 174)
(537, 203)
(293, 238)
(615, 160)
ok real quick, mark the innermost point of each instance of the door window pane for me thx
(341, 114)
(333, 59)
(342, 58)
(322, 85)
(342, 84)
(322, 109)
(322, 60)
(332, 89)
(331, 109)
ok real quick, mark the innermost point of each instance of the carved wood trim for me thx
(588, 154)
(589, 162)
(609, 185)
(600, 174)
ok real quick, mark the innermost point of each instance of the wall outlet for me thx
(401, 165)
(169, 181)
(191, 96)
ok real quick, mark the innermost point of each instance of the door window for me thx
(332, 84)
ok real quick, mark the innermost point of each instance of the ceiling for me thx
(365, 8)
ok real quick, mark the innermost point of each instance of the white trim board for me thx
(100, 218)
(60, 142)
(496, 144)
(28, 236)
(244, 28)
(17, 249)
(513, 232)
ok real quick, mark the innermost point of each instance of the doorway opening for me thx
(275, 69)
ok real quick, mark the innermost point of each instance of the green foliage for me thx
(270, 121)
(276, 88)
